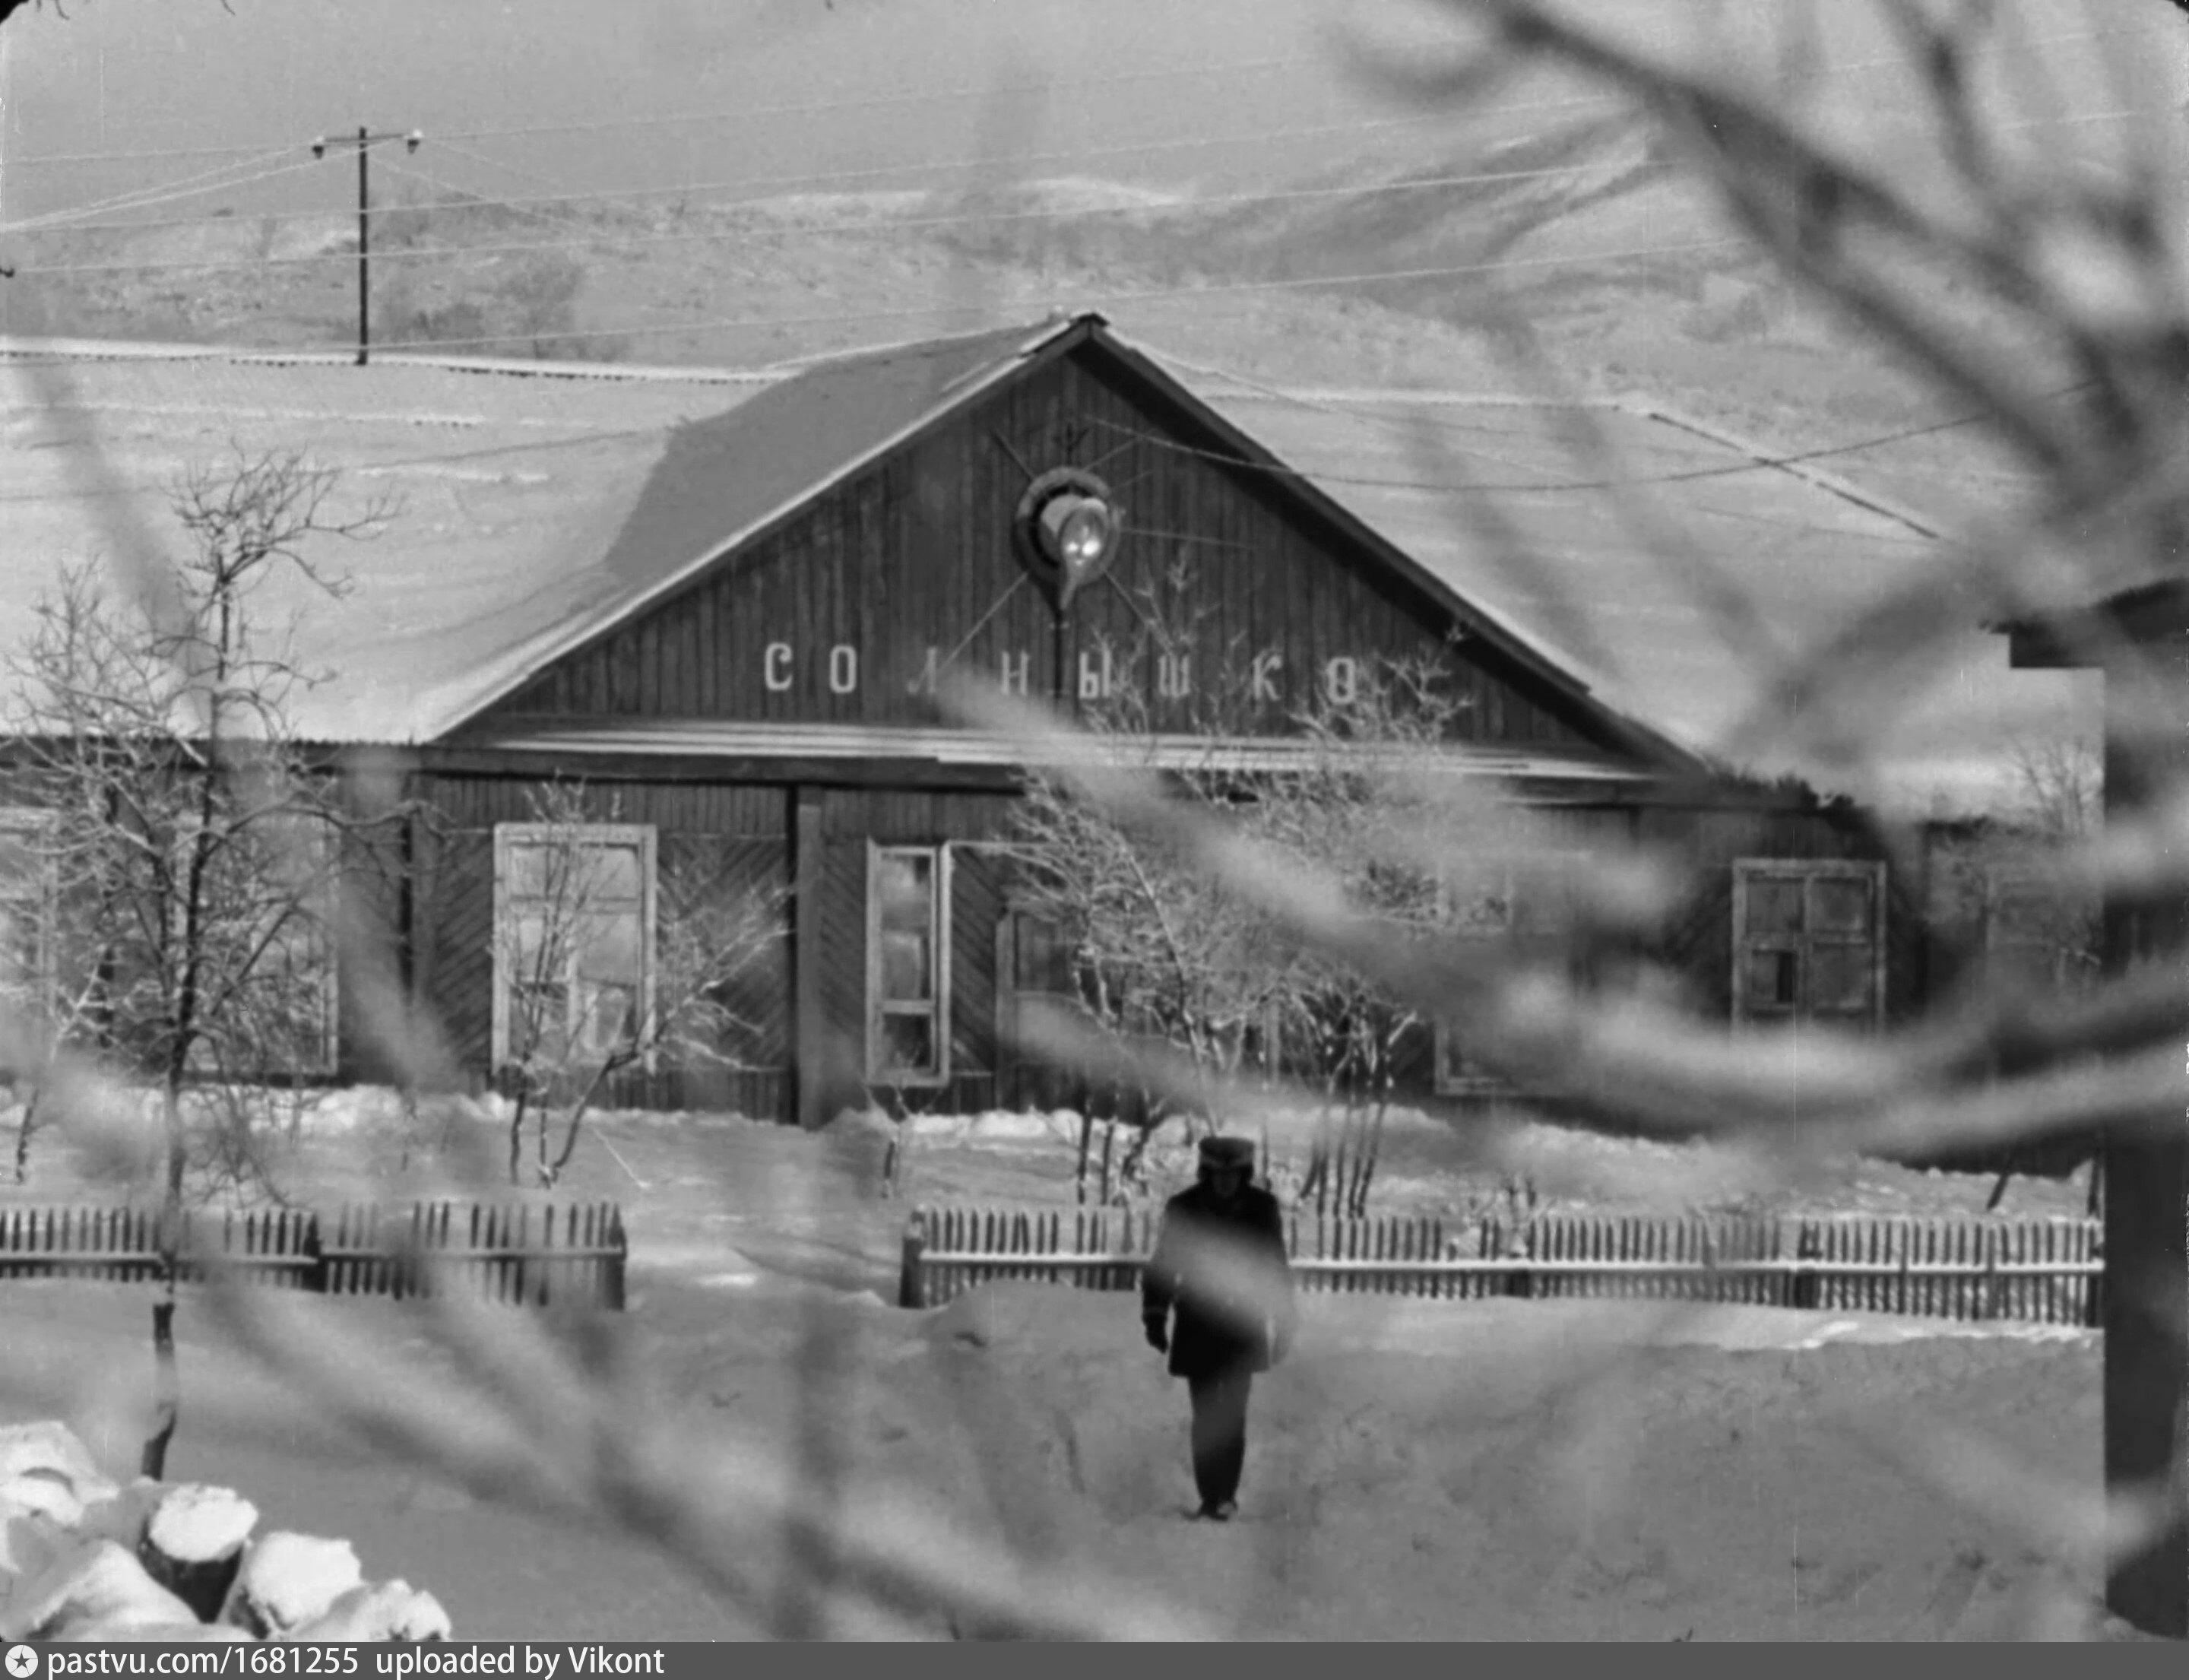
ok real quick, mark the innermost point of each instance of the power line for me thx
(1022, 306)
(861, 225)
(479, 157)
(822, 178)
(623, 196)
(1373, 276)
(1273, 468)
(1539, 486)
(438, 458)
(1360, 409)
(69, 221)
(587, 235)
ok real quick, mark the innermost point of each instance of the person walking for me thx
(1217, 1297)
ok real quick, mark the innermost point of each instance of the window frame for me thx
(1808, 871)
(1507, 872)
(937, 1009)
(2033, 882)
(508, 838)
(321, 920)
(31, 825)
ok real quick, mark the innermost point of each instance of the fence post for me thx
(1521, 1282)
(313, 1276)
(2094, 1282)
(1989, 1308)
(1803, 1293)
(613, 1278)
(911, 1277)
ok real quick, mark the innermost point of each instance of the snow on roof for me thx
(541, 503)
(533, 508)
(1497, 498)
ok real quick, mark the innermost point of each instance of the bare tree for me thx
(1159, 952)
(1371, 769)
(591, 997)
(193, 845)
(1165, 954)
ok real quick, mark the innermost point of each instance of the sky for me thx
(775, 88)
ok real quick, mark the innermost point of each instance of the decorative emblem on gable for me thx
(1067, 529)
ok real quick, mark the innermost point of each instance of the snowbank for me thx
(83, 1559)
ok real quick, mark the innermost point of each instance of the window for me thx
(574, 939)
(27, 899)
(908, 964)
(2038, 935)
(293, 975)
(1527, 903)
(1808, 941)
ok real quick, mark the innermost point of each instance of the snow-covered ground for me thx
(1494, 1469)
(1497, 1469)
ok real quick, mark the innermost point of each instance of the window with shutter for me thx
(1808, 941)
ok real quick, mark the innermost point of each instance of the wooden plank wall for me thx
(915, 554)
(1698, 940)
(733, 834)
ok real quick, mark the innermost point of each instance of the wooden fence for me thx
(519, 1254)
(2045, 1271)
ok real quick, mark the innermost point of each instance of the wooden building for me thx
(725, 604)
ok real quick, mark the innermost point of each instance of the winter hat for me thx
(1234, 1154)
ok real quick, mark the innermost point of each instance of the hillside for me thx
(1268, 283)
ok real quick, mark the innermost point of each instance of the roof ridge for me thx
(1057, 320)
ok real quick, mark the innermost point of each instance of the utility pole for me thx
(365, 142)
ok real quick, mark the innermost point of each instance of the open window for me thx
(574, 910)
(908, 964)
(1808, 941)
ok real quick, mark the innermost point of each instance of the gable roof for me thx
(718, 483)
(543, 504)
(538, 505)
(1498, 499)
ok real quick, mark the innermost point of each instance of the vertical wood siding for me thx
(914, 557)
(455, 923)
(718, 840)
(976, 905)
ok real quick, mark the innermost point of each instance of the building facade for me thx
(729, 614)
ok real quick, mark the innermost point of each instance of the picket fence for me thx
(516, 1254)
(2045, 1271)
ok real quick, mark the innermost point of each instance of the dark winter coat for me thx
(1223, 1272)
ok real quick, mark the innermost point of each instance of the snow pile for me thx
(83, 1558)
